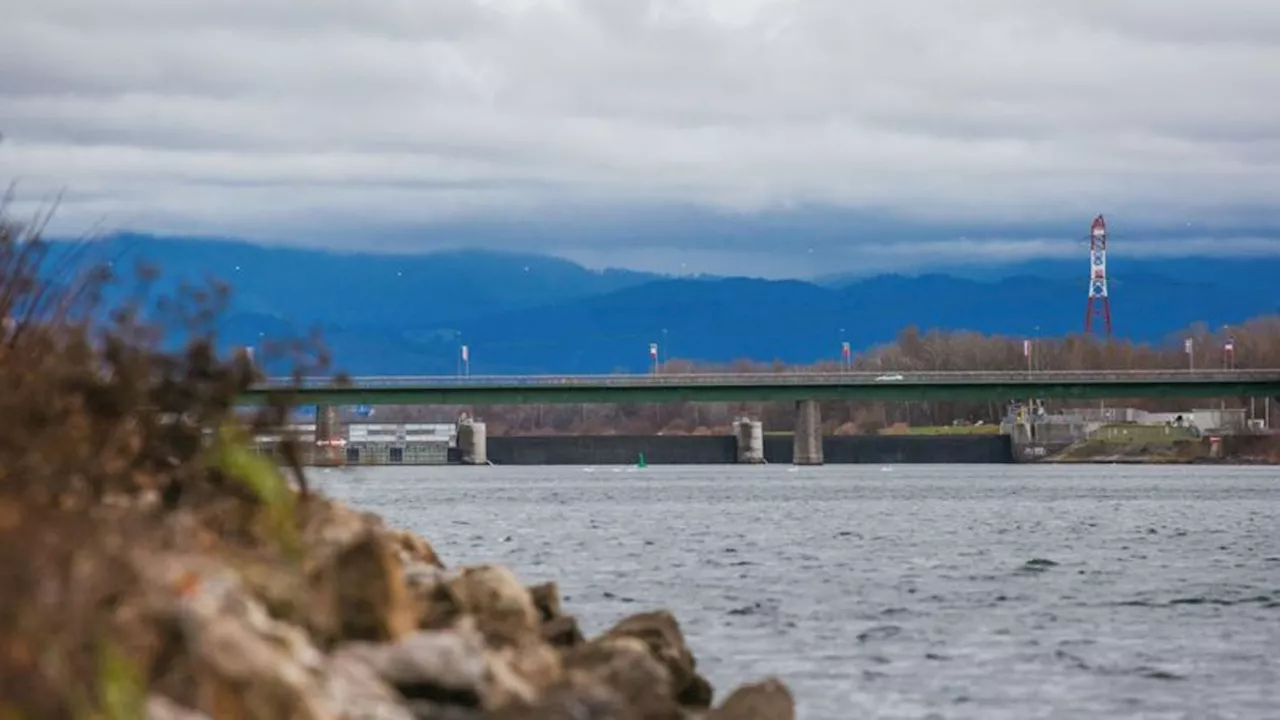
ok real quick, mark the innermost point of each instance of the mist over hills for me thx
(528, 313)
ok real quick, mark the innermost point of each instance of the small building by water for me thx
(382, 443)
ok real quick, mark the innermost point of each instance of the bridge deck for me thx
(887, 385)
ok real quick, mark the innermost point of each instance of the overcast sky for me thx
(346, 123)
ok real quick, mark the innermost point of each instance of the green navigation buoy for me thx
(641, 463)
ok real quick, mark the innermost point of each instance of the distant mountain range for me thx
(407, 315)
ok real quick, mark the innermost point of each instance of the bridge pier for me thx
(807, 449)
(328, 451)
(750, 436)
(473, 446)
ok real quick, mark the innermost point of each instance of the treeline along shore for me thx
(153, 567)
(1255, 344)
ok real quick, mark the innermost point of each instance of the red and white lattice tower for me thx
(1099, 305)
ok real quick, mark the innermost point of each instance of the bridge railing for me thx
(1037, 377)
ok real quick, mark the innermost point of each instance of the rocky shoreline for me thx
(218, 615)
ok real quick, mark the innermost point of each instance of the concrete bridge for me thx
(805, 389)
(763, 387)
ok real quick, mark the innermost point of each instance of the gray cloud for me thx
(287, 120)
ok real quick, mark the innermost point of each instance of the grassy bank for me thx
(1154, 446)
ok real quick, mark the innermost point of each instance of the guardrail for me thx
(1035, 377)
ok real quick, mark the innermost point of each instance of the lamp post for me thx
(1228, 356)
(457, 341)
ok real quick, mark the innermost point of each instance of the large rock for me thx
(766, 700)
(359, 591)
(562, 632)
(661, 634)
(608, 679)
(627, 667)
(502, 607)
(557, 629)
(456, 669)
(575, 700)
(546, 598)
(359, 694)
(245, 664)
(448, 667)
(413, 550)
(434, 602)
(536, 664)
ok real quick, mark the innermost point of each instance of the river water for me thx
(900, 592)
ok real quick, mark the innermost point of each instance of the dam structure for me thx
(805, 390)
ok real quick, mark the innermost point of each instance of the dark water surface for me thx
(905, 592)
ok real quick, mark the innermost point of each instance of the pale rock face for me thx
(359, 694)
(431, 665)
(248, 665)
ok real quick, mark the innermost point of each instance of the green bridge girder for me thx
(765, 387)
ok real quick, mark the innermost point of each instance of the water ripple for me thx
(933, 591)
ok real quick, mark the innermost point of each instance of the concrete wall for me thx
(613, 450)
(723, 450)
(899, 449)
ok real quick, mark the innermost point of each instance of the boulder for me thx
(448, 669)
(412, 549)
(546, 598)
(245, 664)
(562, 632)
(358, 592)
(575, 701)
(240, 662)
(502, 607)
(435, 605)
(627, 667)
(660, 632)
(358, 693)
(557, 629)
(536, 664)
(765, 700)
